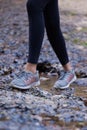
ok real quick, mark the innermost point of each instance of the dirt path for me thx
(79, 6)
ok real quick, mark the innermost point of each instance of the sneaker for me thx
(26, 80)
(65, 80)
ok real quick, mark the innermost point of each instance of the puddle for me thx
(47, 85)
(68, 115)
(81, 91)
(53, 120)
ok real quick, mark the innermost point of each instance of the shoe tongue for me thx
(68, 71)
(28, 72)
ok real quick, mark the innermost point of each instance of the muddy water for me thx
(69, 114)
(47, 120)
(79, 92)
(47, 85)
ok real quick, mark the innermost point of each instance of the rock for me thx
(84, 128)
(79, 28)
(37, 117)
(85, 102)
(81, 82)
(44, 66)
(2, 43)
(1, 50)
(81, 72)
(24, 127)
(44, 78)
(20, 110)
(6, 71)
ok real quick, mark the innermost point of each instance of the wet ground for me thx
(43, 108)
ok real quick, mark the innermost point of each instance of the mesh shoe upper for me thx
(25, 78)
(65, 79)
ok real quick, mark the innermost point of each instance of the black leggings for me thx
(45, 13)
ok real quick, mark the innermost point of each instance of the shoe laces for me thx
(24, 75)
(64, 75)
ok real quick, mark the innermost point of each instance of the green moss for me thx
(78, 41)
(84, 29)
(84, 43)
(73, 13)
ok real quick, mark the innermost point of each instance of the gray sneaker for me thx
(26, 80)
(65, 80)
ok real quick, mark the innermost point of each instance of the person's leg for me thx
(52, 22)
(30, 77)
(36, 31)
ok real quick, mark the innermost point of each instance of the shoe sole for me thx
(27, 87)
(67, 85)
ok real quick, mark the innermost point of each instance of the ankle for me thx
(67, 67)
(30, 67)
